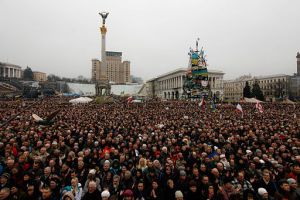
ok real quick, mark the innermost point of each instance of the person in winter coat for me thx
(193, 192)
(140, 192)
(93, 193)
(155, 192)
(169, 190)
(91, 177)
(75, 188)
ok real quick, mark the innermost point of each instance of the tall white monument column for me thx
(103, 51)
(103, 30)
(102, 85)
(298, 64)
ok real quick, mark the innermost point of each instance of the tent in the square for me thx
(81, 100)
(251, 100)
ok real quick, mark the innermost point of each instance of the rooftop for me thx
(113, 53)
(249, 77)
(9, 64)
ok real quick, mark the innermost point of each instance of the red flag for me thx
(259, 107)
(129, 99)
(202, 103)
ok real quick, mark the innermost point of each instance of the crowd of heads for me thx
(151, 150)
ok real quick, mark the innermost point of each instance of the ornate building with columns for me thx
(170, 85)
(8, 70)
(277, 86)
(273, 86)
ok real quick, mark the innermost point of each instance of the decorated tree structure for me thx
(196, 80)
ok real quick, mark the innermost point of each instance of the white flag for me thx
(239, 108)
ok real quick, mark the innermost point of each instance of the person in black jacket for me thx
(93, 193)
(169, 191)
(267, 183)
(193, 192)
(140, 192)
(155, 191)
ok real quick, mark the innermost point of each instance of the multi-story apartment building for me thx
(116, 71)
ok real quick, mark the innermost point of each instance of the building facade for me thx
(39, 76)
(8, 70)
(295, 81)
(170, 85)
(295, 87)
(116, 70)
(274, 86)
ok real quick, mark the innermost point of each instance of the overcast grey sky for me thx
(260, 37)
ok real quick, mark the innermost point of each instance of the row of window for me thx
(260, 82)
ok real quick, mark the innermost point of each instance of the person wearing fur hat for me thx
(68, 196)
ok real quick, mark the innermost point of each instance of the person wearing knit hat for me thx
(92, 171)
(291, 181)
(106, 162)
(4, 180)
(182, 173)
(178, 195)
(105, 195)
(128, 194)
(263, 193)
(6, 175)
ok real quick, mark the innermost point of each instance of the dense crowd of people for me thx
(152, 150)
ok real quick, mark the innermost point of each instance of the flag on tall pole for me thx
(259, 107)
(240, 109)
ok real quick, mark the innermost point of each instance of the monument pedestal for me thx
(102, 87)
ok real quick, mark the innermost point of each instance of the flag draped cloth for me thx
(259, 107)
(240, 109)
